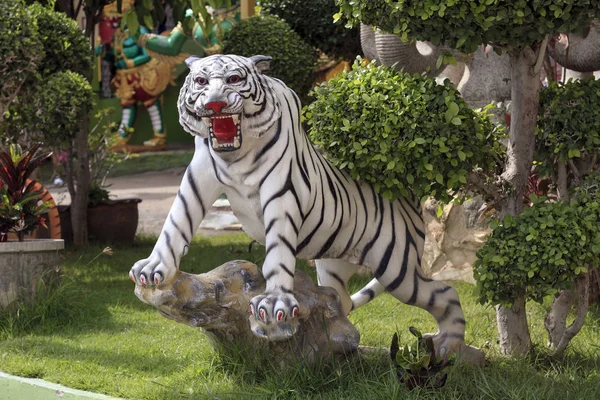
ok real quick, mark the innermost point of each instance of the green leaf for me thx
(453, 109)
(132, 22)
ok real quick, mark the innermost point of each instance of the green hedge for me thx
(293, 59)
(399, 131)
(568, 119)
(313, 21)
(538, 253)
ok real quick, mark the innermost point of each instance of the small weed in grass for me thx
(55, 304)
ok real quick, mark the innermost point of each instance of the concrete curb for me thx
(18, 388)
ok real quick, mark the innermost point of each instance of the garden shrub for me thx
(568, 119)
(313, 21)
(66, 47)
(537, 253)
(398, 130)
(465, 25)
(63, 100)
(293, 59)
(21, 49)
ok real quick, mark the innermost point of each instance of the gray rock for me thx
(217, 303)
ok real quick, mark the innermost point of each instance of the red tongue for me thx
(224, 129)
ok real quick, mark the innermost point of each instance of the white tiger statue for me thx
(250, 145)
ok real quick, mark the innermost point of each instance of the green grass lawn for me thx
(96, 335)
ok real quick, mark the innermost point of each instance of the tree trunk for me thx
(556, 320)
(559, 335)
(81, 172)
(562, 184)
(525, 84)
(513, 330)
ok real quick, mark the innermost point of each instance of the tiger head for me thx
(226, 98)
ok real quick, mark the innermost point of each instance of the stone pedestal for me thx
(22, 265)
(217, 302)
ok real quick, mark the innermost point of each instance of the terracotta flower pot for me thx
(114, 221)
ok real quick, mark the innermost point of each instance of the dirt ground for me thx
(157, 190)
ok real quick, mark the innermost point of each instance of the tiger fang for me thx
(225, 131)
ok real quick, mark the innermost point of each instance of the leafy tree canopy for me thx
(464, 25)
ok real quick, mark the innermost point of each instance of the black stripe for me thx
(460, 321)
(368, 292)
(385, 260)
(168, 240)
(271, 274)
(331, 239)
(337, 278)
(178, 228)
(286, 269)
(294, 227)
(413, 298)
(275, 165)
(287, 244)
(287, 187)
(308, 238)
(351, 240)
(271, 142)
(187, 212)
(268, 228)
(271, 247)
(377, 233)
(195, 190)
(445, 314)
(365, 209)
(431, 301)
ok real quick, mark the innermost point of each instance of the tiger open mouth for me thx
(225, 131)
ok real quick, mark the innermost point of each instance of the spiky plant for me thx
(20, 206)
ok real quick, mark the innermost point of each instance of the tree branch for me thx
(582, 287)
(540, 57)
(562, 181)
(78, 9)
(481, 184)
(574, 170)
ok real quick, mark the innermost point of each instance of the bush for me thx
(63, 101)
(313, 21)
(293, 59)
(465, 25)
(537, 253)
(398, 131)
(66, 46)
(568, 119)
(21, 49)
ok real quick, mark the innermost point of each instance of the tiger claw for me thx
(274, 316)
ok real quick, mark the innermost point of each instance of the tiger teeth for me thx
(215, 143)
(206, 120)
(236, 142)
(236, 119)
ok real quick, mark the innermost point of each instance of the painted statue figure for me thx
(142, 75)
(250, 145)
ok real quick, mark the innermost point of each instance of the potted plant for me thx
(24, 261)
(109, 220)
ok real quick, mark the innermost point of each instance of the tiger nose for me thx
(216, 106)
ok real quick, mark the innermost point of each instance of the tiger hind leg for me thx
(441, 301)
(335, 273)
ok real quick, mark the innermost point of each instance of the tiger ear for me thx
(262, 63)
(190, 60)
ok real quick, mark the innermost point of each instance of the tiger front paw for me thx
(274, 315)
(151, 271)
